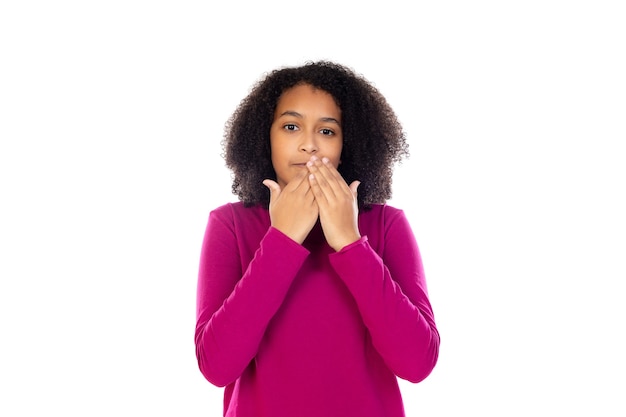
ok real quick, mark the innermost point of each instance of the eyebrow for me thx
(296, 114)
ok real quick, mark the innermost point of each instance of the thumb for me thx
(273, 187)
(353, 187)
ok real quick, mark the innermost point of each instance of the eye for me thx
(327, 132)
(290, 126)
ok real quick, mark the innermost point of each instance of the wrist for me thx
(338, 246)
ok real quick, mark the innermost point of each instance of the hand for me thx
(293, 210)
(337, 202)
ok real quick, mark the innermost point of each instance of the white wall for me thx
(111, 115)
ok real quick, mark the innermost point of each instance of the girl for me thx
(311, 298)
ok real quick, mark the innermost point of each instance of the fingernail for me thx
(325, 160)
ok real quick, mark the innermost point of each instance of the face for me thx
(307, 122)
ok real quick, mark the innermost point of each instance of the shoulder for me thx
(239, 228)
(227, 209)
(237, 215)
(236, 210)
(387, 228)
(381, 213)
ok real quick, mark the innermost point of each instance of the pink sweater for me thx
(301, 330)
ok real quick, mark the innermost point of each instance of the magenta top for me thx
(301, 330)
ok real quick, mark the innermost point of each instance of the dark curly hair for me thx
(373, 138)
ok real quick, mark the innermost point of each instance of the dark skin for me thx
(372, 137)
(306, 142)
(319, 192)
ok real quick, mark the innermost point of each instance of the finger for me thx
(318, 183)
(332, 170)
(316, 190)
(330, 179)
(316, 167)
(273, 187)
(297, 181)
(310, 196)
(354, 186)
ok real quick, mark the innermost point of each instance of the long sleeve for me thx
(237, 297)
(392, 298)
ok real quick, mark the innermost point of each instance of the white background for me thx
(111, 115)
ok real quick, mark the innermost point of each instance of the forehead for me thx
(305, 96)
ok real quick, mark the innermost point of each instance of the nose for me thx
(308, 143)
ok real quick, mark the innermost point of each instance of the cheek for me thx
(275, 147)
(336, 152)
(277, 151)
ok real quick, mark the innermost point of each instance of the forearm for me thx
(230, 328)
(400, 321)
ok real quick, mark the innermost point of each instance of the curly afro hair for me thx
(373, 138)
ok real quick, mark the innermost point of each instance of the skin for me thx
(306, 143)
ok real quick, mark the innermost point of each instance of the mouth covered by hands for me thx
(320, 191)
(336, 201)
